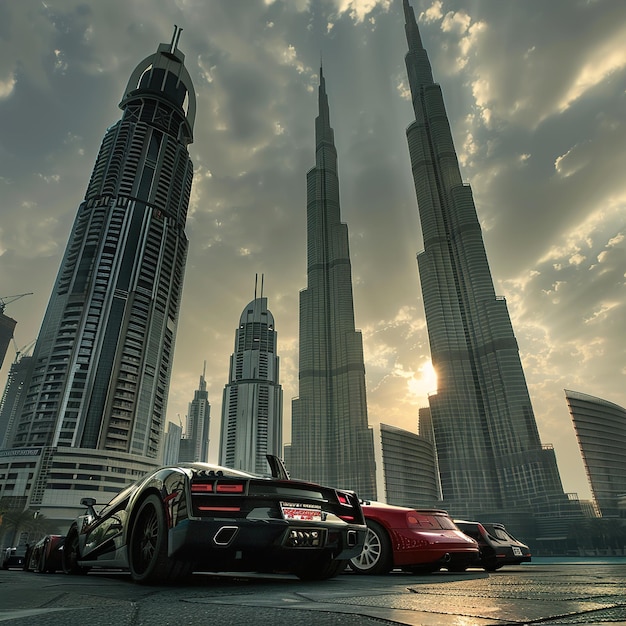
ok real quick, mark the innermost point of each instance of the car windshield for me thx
(499, 533)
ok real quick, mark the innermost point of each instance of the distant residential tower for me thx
(194, 446)
(252, 407)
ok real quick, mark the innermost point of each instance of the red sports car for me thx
(45, 555)
(418, 541)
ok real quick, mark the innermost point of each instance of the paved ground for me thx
(542, 592)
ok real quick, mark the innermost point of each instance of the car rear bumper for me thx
(419, 548)
(439, 556)
(219, 542)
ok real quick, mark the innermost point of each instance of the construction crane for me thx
(7, 324)
(4, 301)
(25, 351)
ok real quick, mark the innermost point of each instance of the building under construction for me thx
(7, 325)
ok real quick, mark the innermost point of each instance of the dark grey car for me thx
(497, 546)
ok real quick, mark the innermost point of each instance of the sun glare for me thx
(424, 381)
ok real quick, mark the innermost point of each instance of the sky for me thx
(536, 96)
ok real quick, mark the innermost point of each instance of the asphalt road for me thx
(543, 592)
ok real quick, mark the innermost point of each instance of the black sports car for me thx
(202, 517)
(497, 546)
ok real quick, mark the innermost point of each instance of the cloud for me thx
(360, 9)
(6, 86)
(539, 136)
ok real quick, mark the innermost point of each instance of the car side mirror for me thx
(89, 503)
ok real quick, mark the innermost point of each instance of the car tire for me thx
(376, 556)
(147, 547)
(71, 554)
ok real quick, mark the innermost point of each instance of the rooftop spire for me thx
(175, 39)
(323, 130)
(412, 32)
(418, 67)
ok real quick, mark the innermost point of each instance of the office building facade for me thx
(331, 442)
(252, 406)
(171, 444)
(600, 428)
(407, 463)
(489, 453)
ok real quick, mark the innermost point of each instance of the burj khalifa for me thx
(490, 455)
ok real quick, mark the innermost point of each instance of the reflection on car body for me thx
(415, 540)
(497, 546)
(198, 516)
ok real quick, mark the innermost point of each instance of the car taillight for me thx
(344, 500)
(220, 509)
(412, 521)
(201, 487)
(218, 487)
(229, 488)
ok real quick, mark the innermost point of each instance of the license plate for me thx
(517, 551)
(301, 512)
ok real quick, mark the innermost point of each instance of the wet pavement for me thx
(542, 592)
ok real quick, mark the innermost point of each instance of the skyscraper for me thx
(13, 396)
(103, 357)
(489, 452)
(252, 408)
(195, 445)
(331, 442)
(7, 326)
(600, 428)
(171, 444)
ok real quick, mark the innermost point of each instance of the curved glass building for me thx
(600, 429)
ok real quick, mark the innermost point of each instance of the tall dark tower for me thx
(104, 354)
(489, 451)
(331, 442)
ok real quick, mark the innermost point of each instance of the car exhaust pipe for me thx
(224, 536)
(352, 538)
